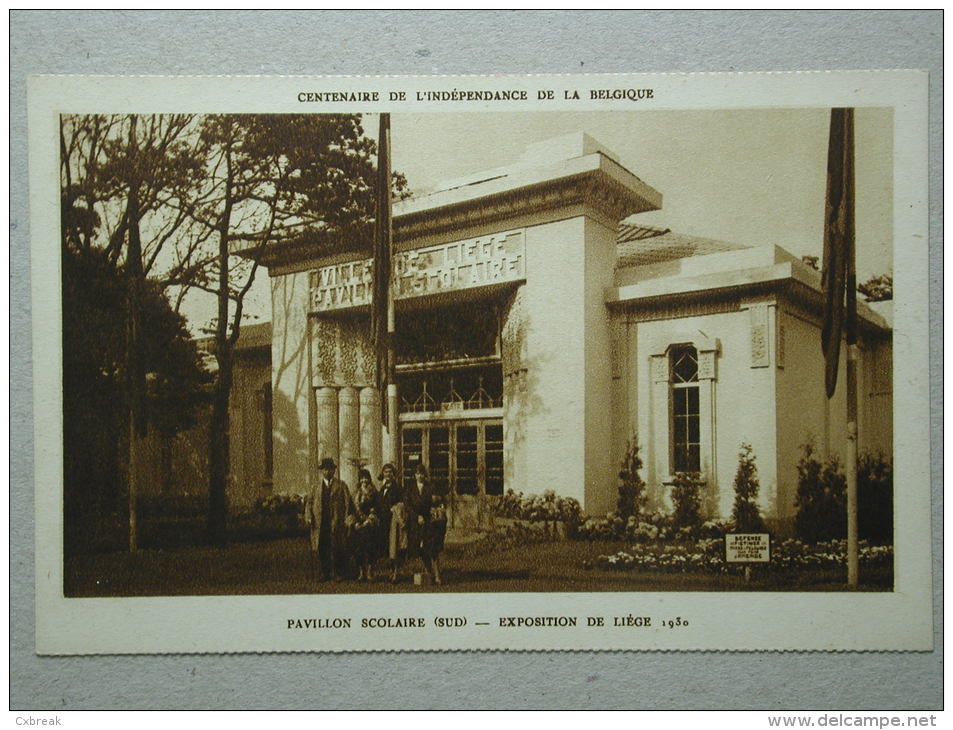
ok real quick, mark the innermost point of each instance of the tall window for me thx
(686, 425)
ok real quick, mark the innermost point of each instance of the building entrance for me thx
(465, 461)
(450, 385)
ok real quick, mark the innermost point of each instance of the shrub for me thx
(281, 504)
(746, 515)
(509, 504)
(545, 507)
(875, 499)
(707, 556)
(686, 489)
(631, 487)
(821, 499)
(612, 527)
(715, 529)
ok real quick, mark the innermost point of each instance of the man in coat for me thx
(327, 511)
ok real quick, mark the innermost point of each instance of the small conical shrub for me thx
(631, 487)
(746, 514)
(686, 496)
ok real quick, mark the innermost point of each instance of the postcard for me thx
(594, 362)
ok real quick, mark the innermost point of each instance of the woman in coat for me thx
(396, 522)
(431, 522)
(365, 533)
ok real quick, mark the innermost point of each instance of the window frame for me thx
(682, 451)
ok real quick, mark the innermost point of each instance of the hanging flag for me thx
(838, 279)
(382, 263)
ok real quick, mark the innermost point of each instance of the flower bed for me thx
(649, 527)
(545, 507)
(707, 555)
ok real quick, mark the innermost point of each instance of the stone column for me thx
(327, 404)
(370, 424)
(349, 431)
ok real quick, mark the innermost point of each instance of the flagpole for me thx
(393, 425)
(853, 558)
(383, 314)
(852, 548)
(839, 282)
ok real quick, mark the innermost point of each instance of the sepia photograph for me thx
(476, 360)
(544, 351)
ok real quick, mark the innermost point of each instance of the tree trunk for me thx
(218, 465)
(219, 454)
(134, 370)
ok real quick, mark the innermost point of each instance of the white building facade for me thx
(538, 333)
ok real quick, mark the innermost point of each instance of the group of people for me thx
(356, 529)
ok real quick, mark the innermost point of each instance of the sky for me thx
(753, 176)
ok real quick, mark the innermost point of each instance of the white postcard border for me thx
(902, 619)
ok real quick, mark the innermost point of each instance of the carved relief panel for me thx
(760, 342)
(342, 353)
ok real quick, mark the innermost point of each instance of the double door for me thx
(464, 459)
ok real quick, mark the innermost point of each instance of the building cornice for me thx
(792, 278)
(604, 188)
(594, 181)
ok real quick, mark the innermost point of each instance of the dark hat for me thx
(328, 463)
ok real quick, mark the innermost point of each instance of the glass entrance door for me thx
(464, 459)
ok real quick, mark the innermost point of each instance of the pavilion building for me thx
(540, 328)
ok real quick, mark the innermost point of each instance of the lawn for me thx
(283, 567)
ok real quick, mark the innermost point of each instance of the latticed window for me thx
(451, 390)
(686, 421)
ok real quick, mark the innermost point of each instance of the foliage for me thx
(104, 158)
(280, 504)
(745, 514)
(707, 556)
(509, 504)
(612, 527)
(272, 180)
(545, 507)
(686, 496)
(875, 498)
(95, 405)
(649, 527)
(821, 498)
(176, 197)
(631, 486)
(877, 288)
(271, 516)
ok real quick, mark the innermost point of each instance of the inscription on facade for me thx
(475, 262)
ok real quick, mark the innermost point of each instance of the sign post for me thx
(748, 548)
